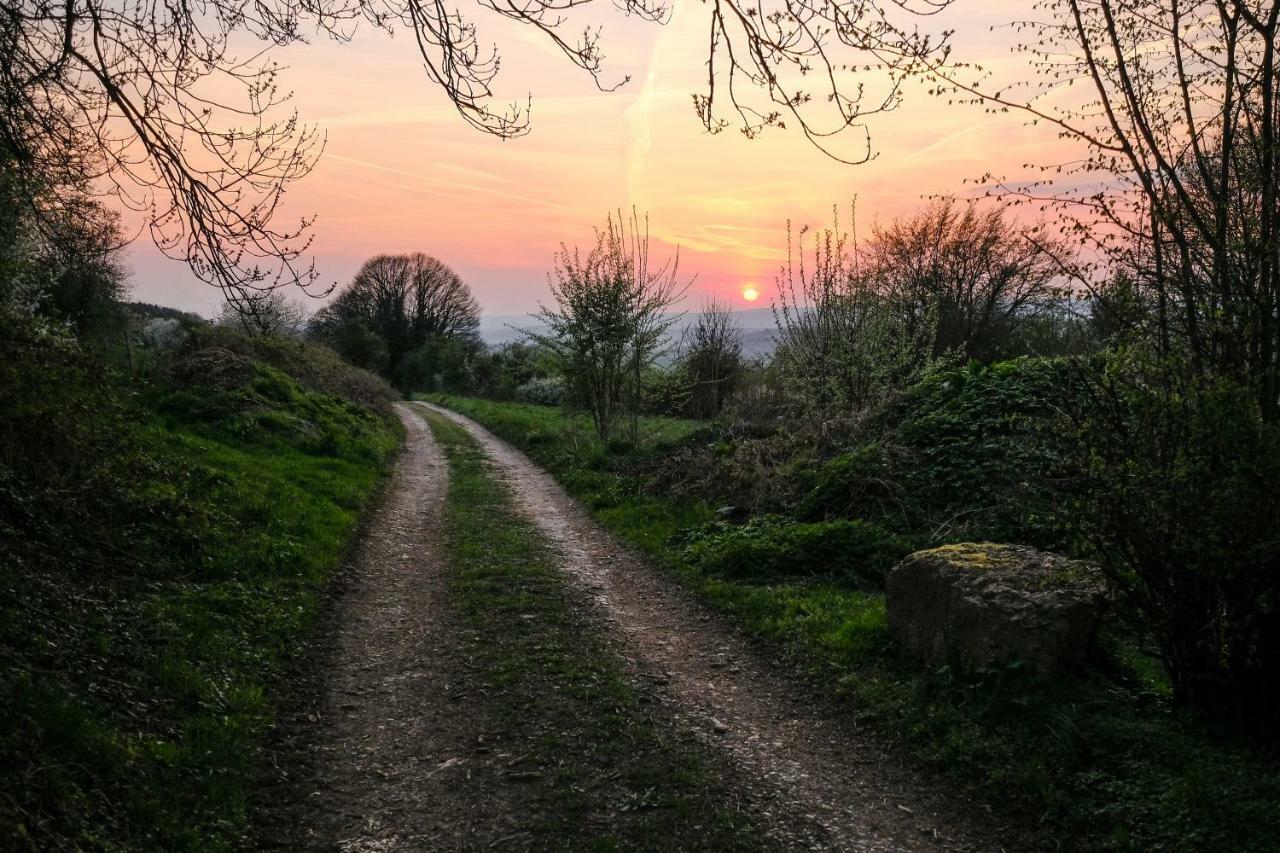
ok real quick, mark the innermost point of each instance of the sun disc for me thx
(750, 294)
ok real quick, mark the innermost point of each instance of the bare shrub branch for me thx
(609, 319)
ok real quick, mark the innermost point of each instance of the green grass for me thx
(603, 480)
(151, 600)
(598, 772)
(1093, 762)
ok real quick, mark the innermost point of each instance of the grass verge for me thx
(597, 772)
(164, 553)
(1097, 762)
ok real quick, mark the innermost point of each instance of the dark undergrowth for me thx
(164, 544)
(1098, 761)
(596, 770)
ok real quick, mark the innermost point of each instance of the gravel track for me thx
(379, 751)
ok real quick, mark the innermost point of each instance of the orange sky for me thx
(402, 172)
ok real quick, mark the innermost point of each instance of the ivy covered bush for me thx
(772, 548)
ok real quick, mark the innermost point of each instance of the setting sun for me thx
(750, 294)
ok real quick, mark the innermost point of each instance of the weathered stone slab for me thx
(974, 604)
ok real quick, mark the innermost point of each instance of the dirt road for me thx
(380, 751)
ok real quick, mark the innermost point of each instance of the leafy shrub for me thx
(546, 391)
(665, 392)
(988, 451)
(359, 345)
(761, 396)
(1183, 511)
(985, 452)
(772, 548)
(496, 372)
(439, 364)
(859, 483)
(753, 467)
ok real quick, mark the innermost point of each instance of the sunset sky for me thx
(402, 172)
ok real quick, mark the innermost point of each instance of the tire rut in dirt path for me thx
(818, 783)
(379, 757)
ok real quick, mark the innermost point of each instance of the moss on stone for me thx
(1047, 572)
(975, 555)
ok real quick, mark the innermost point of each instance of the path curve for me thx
(819, 782)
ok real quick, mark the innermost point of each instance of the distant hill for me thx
(757, 329)
(504, 329)
(758, 343)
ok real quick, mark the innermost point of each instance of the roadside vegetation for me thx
(1104, 760)
(174, 497)
(168, 542)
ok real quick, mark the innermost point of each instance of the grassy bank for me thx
(166, 548)
(595, 771)
(1102, 761)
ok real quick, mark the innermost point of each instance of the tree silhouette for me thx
(1176, 186)
(711, 357)
(967, 272)
(407, 301)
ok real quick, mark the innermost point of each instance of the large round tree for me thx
(410, 303)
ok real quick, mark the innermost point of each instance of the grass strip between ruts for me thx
(597, 770)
